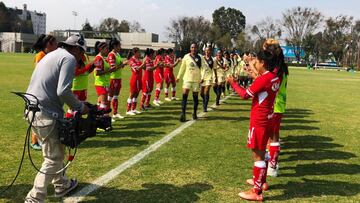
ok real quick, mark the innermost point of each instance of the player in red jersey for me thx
(273, 46)
(169, 77)
(136, 66)
(117, 63)
(263, 91)
(159, 75)
(148, 79)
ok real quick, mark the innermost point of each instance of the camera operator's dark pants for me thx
(53, 152)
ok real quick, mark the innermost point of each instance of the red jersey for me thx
(135, 64)
(149, 65)
(111, 59)
(99, 63)
(159, 59)
(263, 90)
(168, 61)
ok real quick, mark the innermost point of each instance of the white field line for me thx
(103, 180)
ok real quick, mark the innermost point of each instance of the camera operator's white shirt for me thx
(51, 83)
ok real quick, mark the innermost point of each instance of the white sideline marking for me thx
(104, 179)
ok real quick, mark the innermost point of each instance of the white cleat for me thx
(118, 116)
(167, 99)
(175, 98)
(156, 103)
(130, 113)
(273, 172)
(113, 120)
(160, 102)
(136, 111)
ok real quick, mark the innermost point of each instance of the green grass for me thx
(209, 161)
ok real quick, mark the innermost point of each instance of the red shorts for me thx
(135, 84)
(169, 77)
(159, 76)
(258, 137)
(147, 83)
(80, 94)
(115, 84)
(275, 122)
(101, 90)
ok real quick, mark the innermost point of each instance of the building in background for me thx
(128, 40)
(37, 19)
(16, 42)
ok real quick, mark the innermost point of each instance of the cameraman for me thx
(51, 84)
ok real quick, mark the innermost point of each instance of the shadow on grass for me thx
(151, 192)
(315, 188)
(113, 143)
(16, 193)
(298, 121)
(322, 169)
(306, 138)
(129, 133)
(299, 127)
(317, 155)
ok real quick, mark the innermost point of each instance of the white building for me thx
(16, 42)
(38, 19)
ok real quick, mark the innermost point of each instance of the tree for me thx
(124, 26)
(185, 30)
(86, 26)
(113, 25)
(267, 28)
(337, 35)
(136, 27)
(298, 23)
(229, 20)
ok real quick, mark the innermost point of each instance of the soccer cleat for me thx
(148, 107)
(175, 98)
(142, 108)
(194, 115)
(156, 103)
(273, 172)
(130, 113)
(167, 99)
(113, 120)
(36, 146)
(182, 118)
(250, 181)
(136, 111)
(160, 102)
(251, 195)
(61, 192)
(118, 116)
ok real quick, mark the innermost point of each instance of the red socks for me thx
(133, 107)
(157, 93)
(128, 106)
(259, 175)
(115, 104)
(173, 91)
(166, 90)
(274, 151)
(143, 98)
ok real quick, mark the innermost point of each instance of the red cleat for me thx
(250, 181)
(251, 195)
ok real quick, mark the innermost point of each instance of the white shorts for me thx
(193, 86)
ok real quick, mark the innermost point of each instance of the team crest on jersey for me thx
(192, 64)
(275, 86)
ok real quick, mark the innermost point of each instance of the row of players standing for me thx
(156, 68)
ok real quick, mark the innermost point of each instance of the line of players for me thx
(156, 68)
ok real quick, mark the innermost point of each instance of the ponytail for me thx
(99, 46)
(113, 43)
(273, 46)
(41, 42)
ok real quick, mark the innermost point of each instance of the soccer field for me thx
(208, 161)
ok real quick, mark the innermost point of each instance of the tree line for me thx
(10, 21)
(302, 28)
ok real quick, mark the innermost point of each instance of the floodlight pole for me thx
(74, 13)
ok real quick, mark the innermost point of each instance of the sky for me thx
(154, 15)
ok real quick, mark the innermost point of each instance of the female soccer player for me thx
(136, 66)
(170, 64)
(117, 63)
(102, 74)
(206, 77)
(263, 91)
(80, 82)
(148, 79)
(220, 69)
(44, 44)
(244, 64)
(159, 75)
(190, 68)
(229, 71)
(273, 46)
